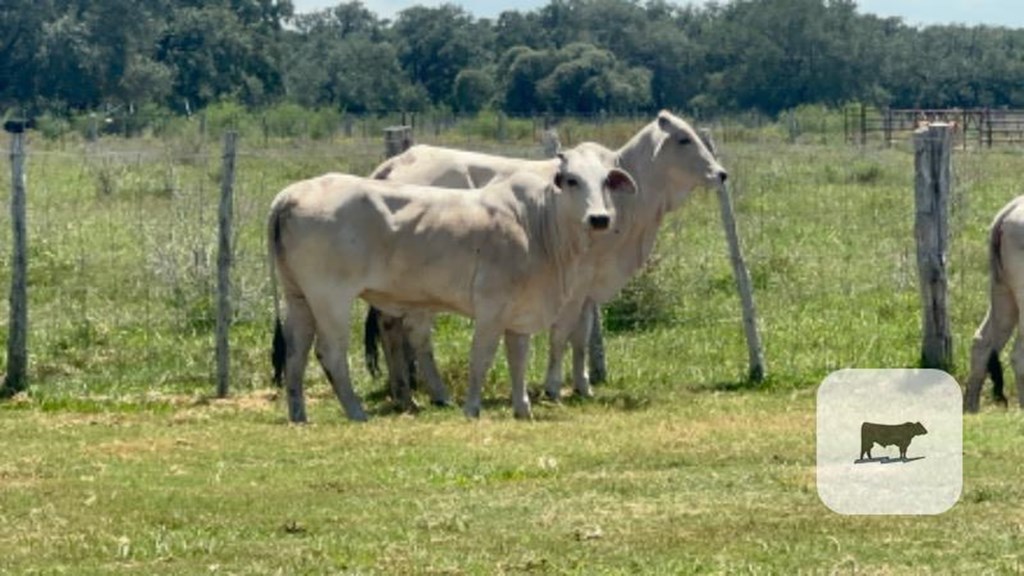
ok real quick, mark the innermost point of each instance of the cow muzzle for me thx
(599, 221)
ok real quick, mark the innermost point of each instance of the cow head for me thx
(918, 429)
(585, 184)
(686, 157)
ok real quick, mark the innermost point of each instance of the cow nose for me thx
(600, 222)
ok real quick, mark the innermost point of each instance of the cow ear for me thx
(619, 181)
(665, 121)
(559, 175)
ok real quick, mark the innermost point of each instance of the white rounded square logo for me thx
(890, 442)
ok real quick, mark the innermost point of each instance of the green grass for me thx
(688, 482)
(117, 460)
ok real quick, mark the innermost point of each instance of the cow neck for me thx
(560, 242)
(637, 158)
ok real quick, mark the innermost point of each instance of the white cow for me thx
(1006, 294)
(666, 158)
(508, 257)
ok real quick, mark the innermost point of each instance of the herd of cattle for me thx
(537, 244)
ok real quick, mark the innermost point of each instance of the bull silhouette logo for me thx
(899, 435)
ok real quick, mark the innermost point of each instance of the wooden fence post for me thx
(863, 125)
(397, 139)
(755, 349)
(17, 339)
(932, 151)
(224, 258)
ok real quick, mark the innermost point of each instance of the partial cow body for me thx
(1006, 294)
(667, 159)
(507, 257)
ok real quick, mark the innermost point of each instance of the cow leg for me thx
(419, 327)
(580, 341)
(392, 341)
(485, 344)
(565, 325)
(556, 351)
(392, 329)
(299, 328)
(332, 351)
(517, 348)
(989, 339)
(595, 351)
(1017, 359)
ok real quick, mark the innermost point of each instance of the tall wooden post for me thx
(17, 339)
(932, 151)
(224, 258)
(755, 350)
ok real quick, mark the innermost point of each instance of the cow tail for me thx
(278, 347)
(995, 249)
(371, 340)
(995, 372)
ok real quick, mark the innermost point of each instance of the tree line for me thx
(568, 57)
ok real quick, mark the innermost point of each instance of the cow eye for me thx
(684, 140)
(571, 182)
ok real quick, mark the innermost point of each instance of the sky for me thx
(914, 12)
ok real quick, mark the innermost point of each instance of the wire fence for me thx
(123, 252)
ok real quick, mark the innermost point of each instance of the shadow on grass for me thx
(886, 460)
(747, 384)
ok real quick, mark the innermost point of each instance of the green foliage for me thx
(474, 90)
(573, 57)
(645, 303)
(52, 126)
(292, 121)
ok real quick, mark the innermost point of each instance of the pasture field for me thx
(117, 460)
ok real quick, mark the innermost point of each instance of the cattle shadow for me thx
(380, 403)
(886, 460)
(618, 400)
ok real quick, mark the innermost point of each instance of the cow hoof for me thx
(472, 412)
(357, 415)
(553, 396)
(408, 408)
(524, 414)
(585, 394)
(442, 404)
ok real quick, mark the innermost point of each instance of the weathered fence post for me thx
(888, 128)
(397, 139)
(932, 151)
(863, 125)
(224, 258)
(17, 339)
(755, 350)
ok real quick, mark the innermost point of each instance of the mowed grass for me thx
(694, 482)
(118, 460)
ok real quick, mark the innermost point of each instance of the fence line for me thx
(124, 277)
(982, 127)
